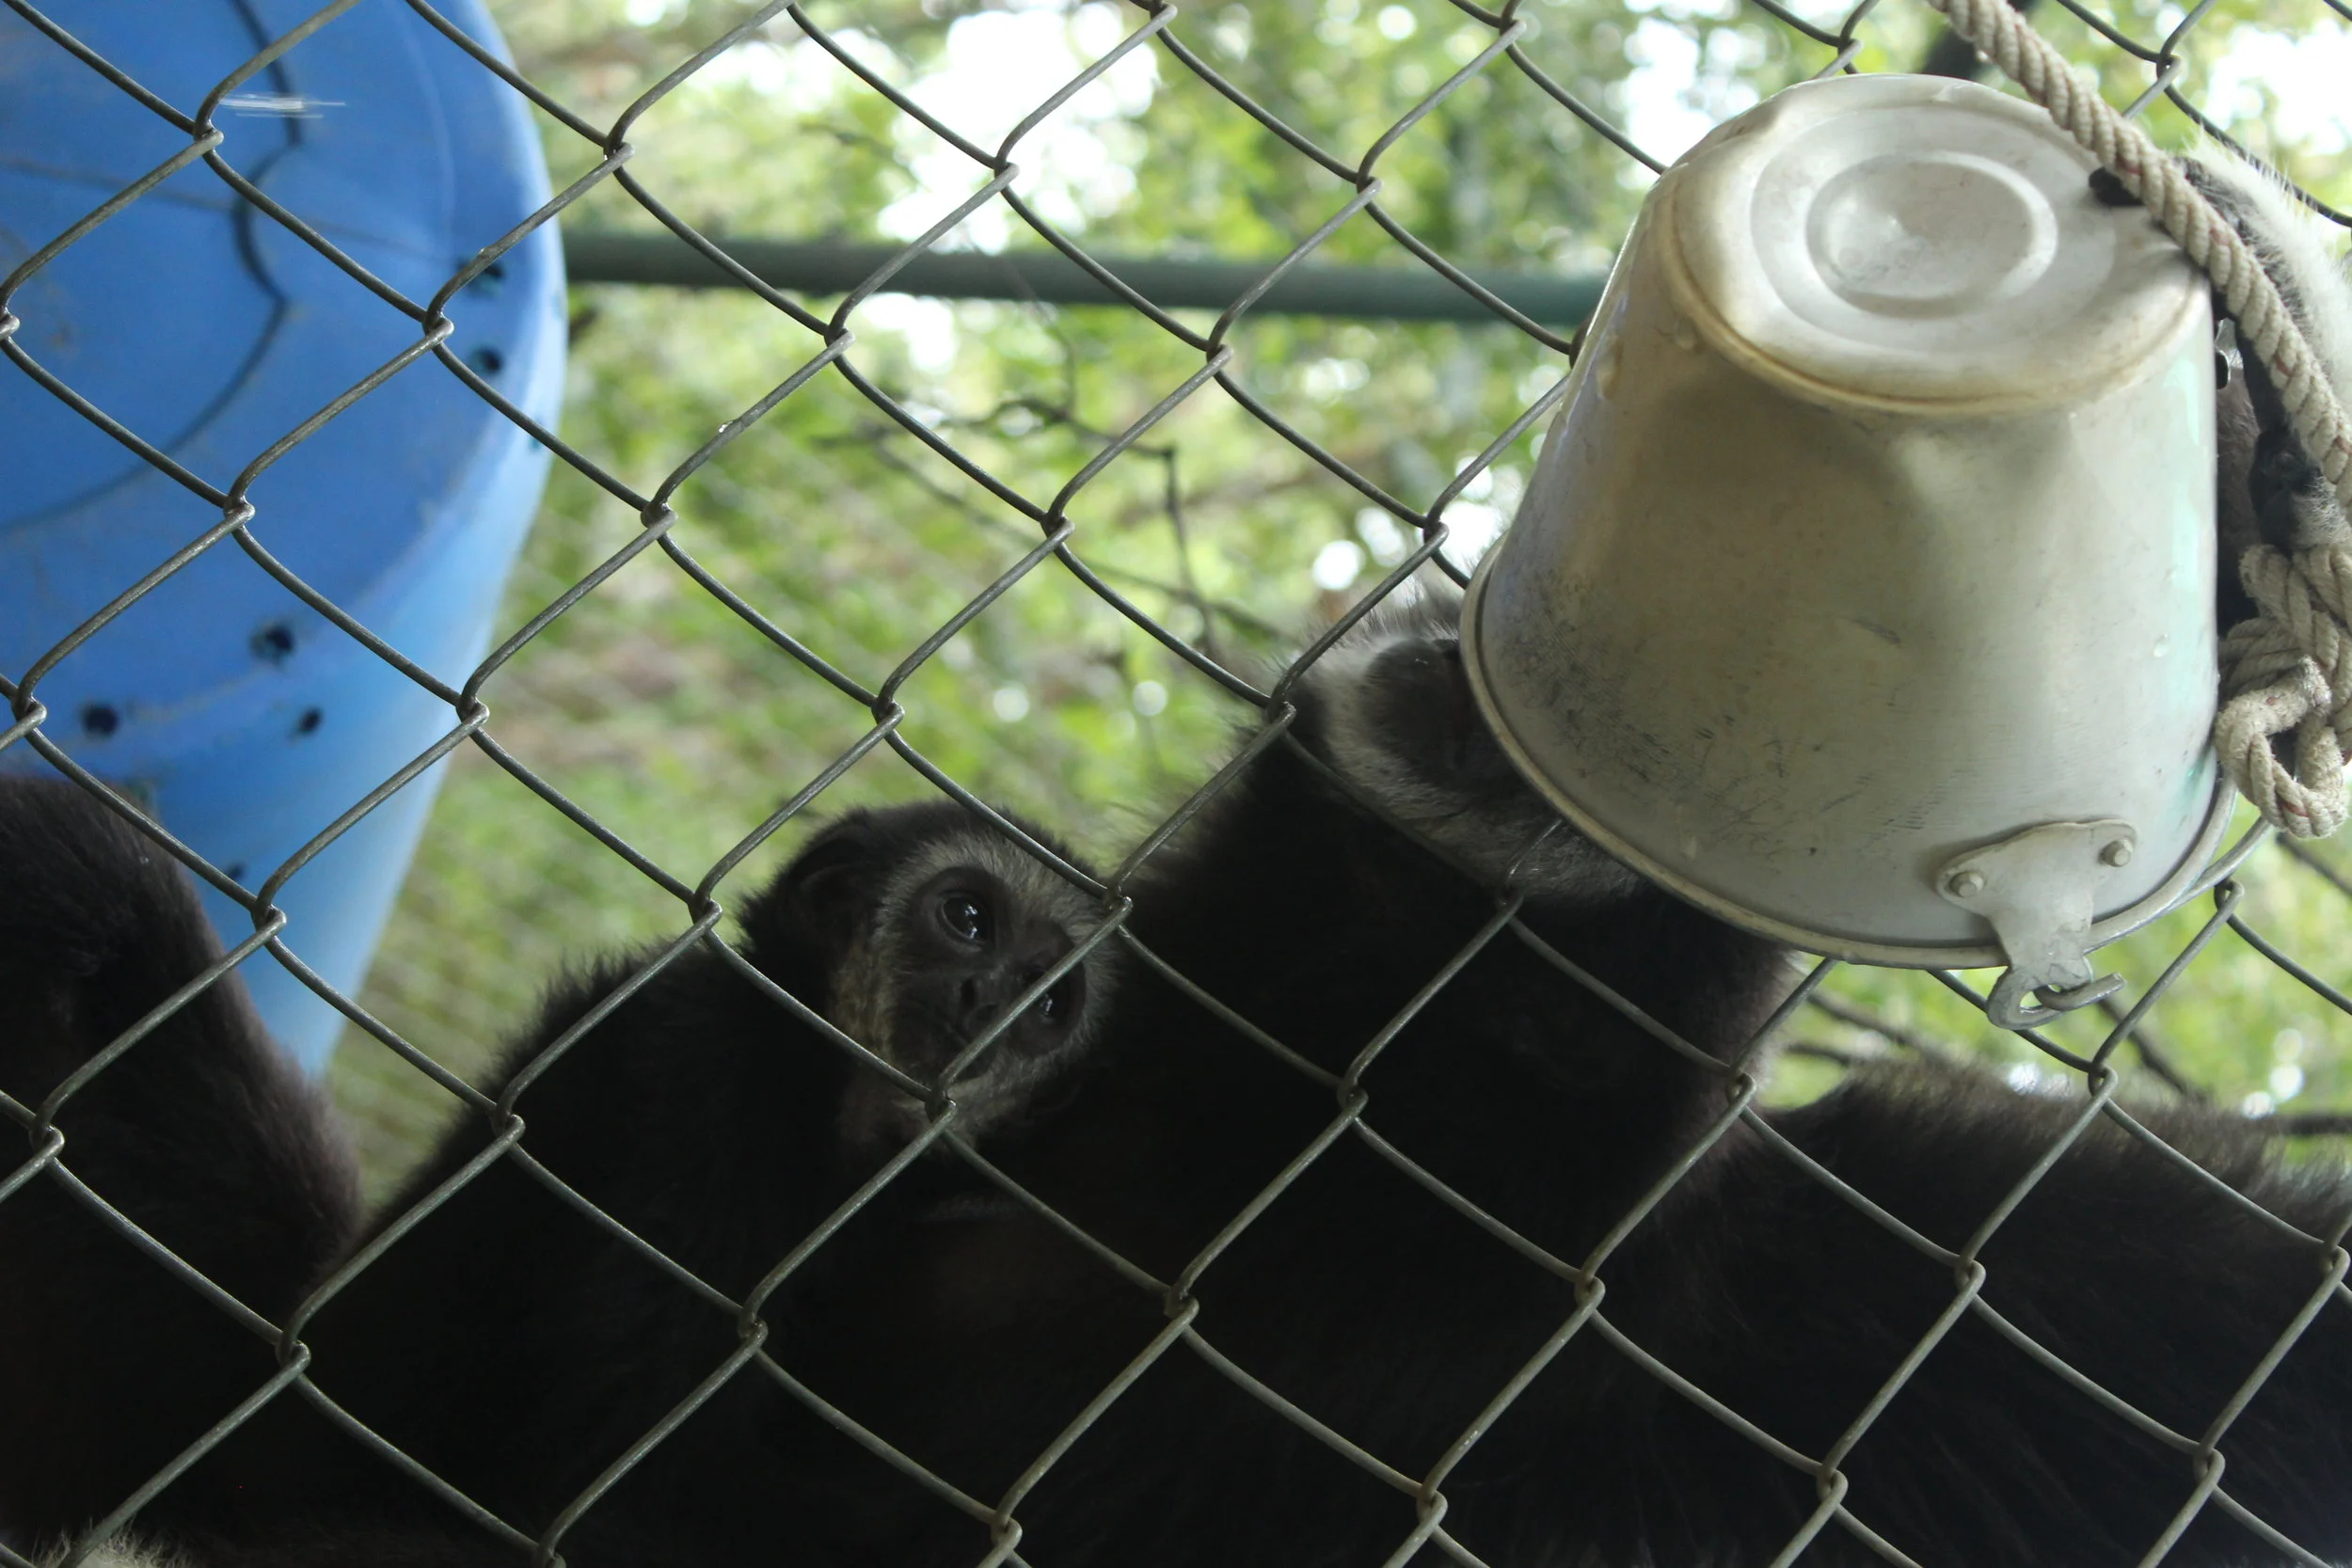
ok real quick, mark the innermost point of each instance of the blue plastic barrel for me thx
(247, 720)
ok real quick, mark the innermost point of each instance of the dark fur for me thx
(308, 1545)
(1372, 1305)
(516, 1349)
(202, 1136)
(701, 1114)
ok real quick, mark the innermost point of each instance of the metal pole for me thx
(1310, 288)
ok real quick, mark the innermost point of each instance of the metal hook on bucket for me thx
(2039, 890)
(2008, 1005)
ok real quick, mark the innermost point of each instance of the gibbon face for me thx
(940, 926)
(970, 945)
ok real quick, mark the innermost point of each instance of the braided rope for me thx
(2290, 667)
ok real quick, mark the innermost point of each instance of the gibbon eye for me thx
(966, 918)
(1054, 1007)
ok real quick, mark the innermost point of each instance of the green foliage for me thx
(681, 727)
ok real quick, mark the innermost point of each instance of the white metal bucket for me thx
(1875, 533)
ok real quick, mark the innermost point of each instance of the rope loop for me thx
(2290, 669)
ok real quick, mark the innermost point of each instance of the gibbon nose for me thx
(986, 995)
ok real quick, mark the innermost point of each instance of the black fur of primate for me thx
(517, 1353)
(301, 1545)
(1381, 1311)
(722, 1129)
(507, 1342)
(202, 1134)
(516, 1349)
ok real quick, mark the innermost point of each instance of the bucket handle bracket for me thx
(2040, 890)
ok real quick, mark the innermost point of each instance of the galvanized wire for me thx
(1059, 542)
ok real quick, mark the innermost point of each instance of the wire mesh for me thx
(1058, 546)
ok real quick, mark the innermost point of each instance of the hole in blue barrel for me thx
(311, 719)
(273, 643)
(101, 720)
(490, 362)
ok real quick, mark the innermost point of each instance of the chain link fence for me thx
(1834, 1023)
